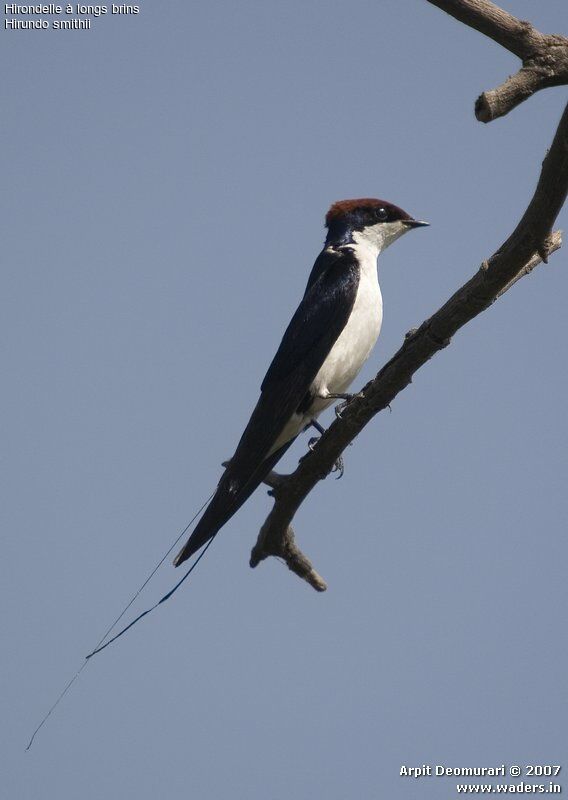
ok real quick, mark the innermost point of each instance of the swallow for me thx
(329, 338)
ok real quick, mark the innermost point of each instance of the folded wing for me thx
(312, 332)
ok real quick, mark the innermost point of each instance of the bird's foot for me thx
(335, 396)
(340, 396)
(340, 407)
(339, 466)
(312, 444)
(311, 447)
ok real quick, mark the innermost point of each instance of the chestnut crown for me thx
(358, 214)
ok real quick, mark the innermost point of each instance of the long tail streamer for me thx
(101, 644)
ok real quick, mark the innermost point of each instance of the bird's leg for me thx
(341, 406)
(320, 429)
(337, 396)
(338, 465)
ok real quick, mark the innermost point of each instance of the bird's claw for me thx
(339, 466)
(311, 447)
(340, 408)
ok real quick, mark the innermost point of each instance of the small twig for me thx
(544, 56)
(275, 480)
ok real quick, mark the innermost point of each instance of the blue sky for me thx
(167, 179)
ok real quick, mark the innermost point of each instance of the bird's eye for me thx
(382, 214)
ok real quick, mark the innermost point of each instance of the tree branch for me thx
(530, 243)
(544, 56)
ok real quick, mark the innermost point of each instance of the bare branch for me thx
(544, 56)
(530, 243)
(282, 544)
(516, 35)
(553, 244)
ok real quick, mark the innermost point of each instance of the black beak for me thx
(415, 223)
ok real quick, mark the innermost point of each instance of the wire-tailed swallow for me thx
(328, 340)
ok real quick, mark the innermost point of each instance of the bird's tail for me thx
(216, 515)
(226, 502)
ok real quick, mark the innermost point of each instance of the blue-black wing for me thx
(326, 259)
(319, 319)
(312, 332)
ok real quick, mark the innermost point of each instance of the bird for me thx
(327, 341)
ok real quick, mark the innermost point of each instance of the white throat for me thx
(376, 238)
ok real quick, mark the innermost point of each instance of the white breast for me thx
(352, 347)
(358, 338)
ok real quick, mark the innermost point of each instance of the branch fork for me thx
(544, 56)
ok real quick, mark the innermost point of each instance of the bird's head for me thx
(374, 223)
